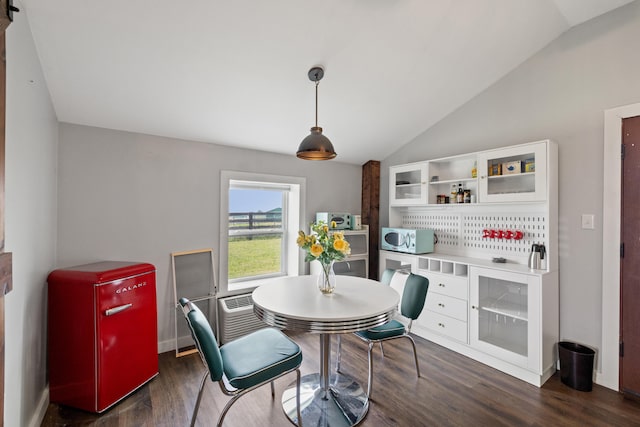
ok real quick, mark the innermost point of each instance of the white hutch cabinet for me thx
(501, 314)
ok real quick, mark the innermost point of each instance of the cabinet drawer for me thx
(444, 284)
(444, 325)
(448, 306)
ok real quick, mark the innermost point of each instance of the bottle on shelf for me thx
(460, 194)
(474, 170)
(454, 193)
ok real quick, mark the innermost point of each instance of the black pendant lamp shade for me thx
(316, 146)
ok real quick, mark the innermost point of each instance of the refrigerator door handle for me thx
(116, 310)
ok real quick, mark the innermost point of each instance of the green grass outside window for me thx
(254, 257)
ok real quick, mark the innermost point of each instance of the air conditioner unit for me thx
(236, 317)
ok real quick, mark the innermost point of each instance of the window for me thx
(260, 218)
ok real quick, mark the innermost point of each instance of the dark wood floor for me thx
(452, 391)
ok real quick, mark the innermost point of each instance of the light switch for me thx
(587, 221)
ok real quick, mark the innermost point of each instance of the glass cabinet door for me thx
(516, 174)
(504, 315)
(408, 184)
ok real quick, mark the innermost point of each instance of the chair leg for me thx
(370, 370)
(338, 353)
(415, 354)
(381, 349)
(226, 408)
(197, 406)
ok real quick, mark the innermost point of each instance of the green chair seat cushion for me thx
(392, 328)
(258, 357)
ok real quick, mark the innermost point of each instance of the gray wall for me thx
(561, 94)
(127, 196)
(31, 154)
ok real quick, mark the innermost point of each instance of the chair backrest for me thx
(204, 338)
(412, 289)
(386, 276)
(414, 296)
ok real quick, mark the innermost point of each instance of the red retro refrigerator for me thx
(102, 332)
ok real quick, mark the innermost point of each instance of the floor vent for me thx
(237, 317)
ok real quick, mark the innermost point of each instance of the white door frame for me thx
(611, 198)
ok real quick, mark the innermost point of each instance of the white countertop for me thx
(510, 265)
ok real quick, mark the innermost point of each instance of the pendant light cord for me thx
(317, 82)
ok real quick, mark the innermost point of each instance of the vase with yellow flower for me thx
(326, 247)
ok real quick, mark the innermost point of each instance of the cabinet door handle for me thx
(474, 307)
(441, 325)
(441, 285)
(440, 305)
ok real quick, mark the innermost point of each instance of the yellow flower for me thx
(301, 238)
(316, 250)
(334, 224)
(341, 245)
(321, 244)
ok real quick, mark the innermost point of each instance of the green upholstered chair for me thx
(413, 290)
(244, 364)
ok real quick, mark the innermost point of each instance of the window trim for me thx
(295, 222)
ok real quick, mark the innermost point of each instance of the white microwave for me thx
(412, 241)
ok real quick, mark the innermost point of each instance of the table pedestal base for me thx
(345, 403)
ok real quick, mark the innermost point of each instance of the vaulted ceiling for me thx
(235, 72)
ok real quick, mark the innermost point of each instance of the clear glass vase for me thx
(326, 278)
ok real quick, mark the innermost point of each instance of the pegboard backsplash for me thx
(461, 233)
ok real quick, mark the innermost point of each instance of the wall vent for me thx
(237, 318)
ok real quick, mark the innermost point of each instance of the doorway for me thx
(608, 374)
(630, 254)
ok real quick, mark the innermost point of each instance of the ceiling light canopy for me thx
(316, 146)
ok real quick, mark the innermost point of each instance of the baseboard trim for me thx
(170, 345)
(41, 409)
(167, 345)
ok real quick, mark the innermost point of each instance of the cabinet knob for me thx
(441, 325)
(440, 304)
(474, 307)
(441, 285)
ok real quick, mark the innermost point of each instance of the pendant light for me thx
(316, 146)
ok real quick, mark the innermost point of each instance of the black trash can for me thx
(576, 365)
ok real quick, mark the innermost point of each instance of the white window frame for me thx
(296, 202)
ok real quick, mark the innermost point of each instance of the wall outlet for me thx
(588, 221)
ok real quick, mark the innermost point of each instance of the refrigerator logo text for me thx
(124, 289)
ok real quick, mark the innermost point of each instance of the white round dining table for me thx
(295, 302)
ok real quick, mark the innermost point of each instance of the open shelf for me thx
(453, 181)
(443, 266)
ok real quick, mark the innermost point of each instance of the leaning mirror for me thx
(193, 278)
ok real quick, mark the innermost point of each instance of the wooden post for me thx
(370, 211)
